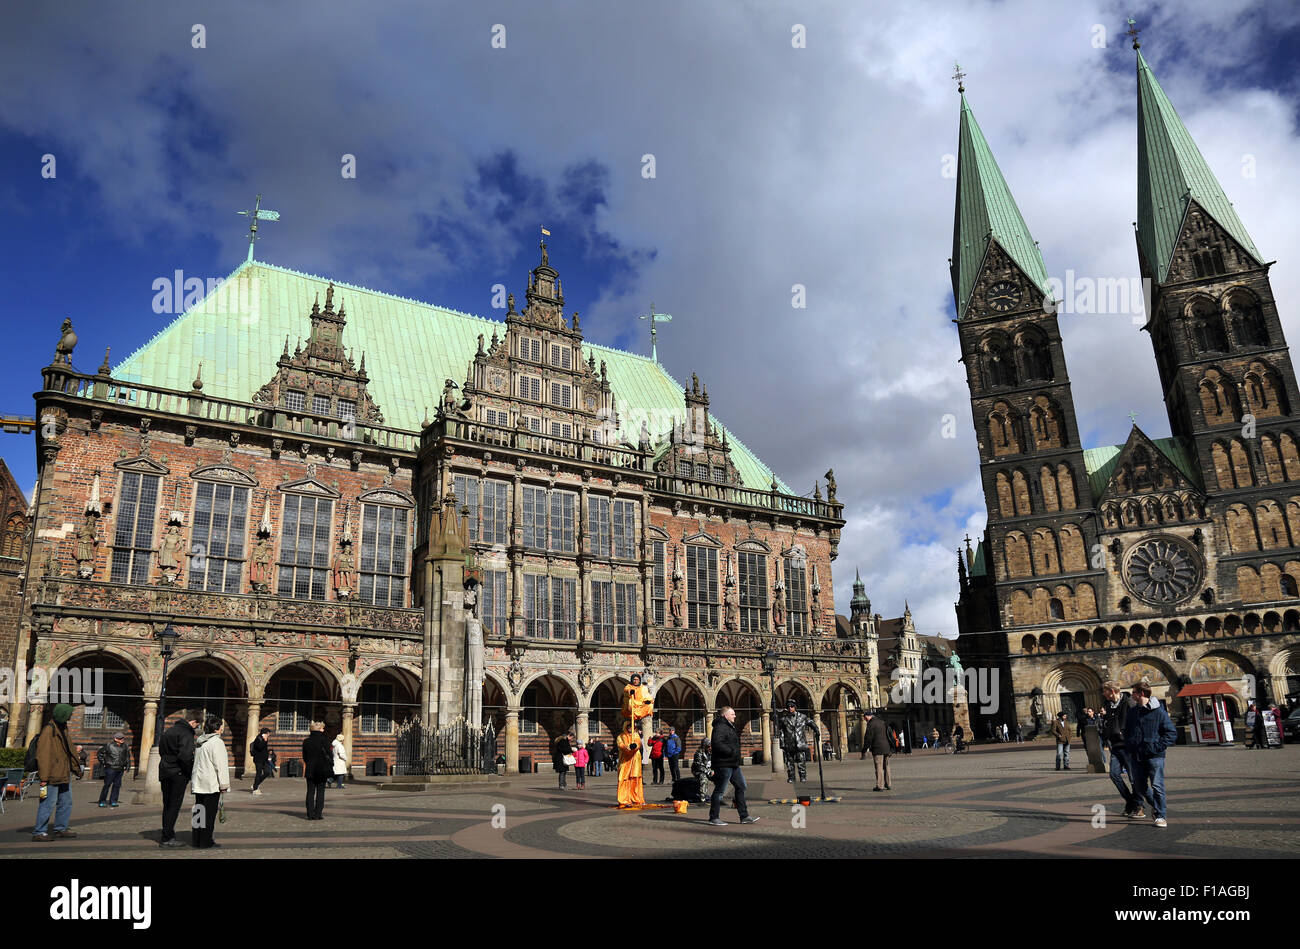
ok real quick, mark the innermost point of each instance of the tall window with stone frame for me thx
(796, 596)
(383, 555)
(564, 608)
(377, 708)
(528, 711)
(466, 490)
(217, 538)
(625, 530)
(659, 583)
(13, 541)
(305, 546)
(533, 517)
(753, 591)
(297, 702)
(537, 614)
(137, 506)
(602, 610)
(493, 607)
(563, 505)
(598, 525)
(625, 621)
(487, 503)
(701, 587)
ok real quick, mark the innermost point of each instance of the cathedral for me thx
(1174, 558)
(305, 500)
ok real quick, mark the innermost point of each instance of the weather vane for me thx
(255, 215)
(959, 76)
(1133, 31)
(1133, 417)
(654, 318)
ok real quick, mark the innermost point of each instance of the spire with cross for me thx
(1133, 32)
(959, 76)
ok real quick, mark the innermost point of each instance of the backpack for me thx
(29, 763)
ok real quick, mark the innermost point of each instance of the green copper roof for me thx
(1100, 462)
(980, 565)
(238, 333)
(985, 212)
(1171, 170)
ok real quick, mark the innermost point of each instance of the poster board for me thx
(1272, 729)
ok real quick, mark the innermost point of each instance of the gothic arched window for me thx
(12, 544)
(1207, 328)
(1247, 319)
(999, 368)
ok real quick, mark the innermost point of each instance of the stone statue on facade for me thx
(730, 611)
(675, 604)
(170, 552)
(778, 608)
(474, 673)
(87, 541)
(67, 342)
(259, 571)
(345, 571)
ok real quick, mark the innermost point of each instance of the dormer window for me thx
(320, 405)
(295, 401)
(684, 469)
(346, 408)
(530, 387)
(561, 395)
(561, 356)
(530, 349)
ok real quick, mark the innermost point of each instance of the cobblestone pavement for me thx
(997, 802)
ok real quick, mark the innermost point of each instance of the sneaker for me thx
(1139, 814)
(1161, 822)
(749, 820)
(877, 789)
(102, 804)
(40, 838)
(65, 833)
(257, 793)
(115, 804)
(174, 842)
(718, 822)
(1067, 767)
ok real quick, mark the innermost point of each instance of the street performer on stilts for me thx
(637, 705)
(630, 790)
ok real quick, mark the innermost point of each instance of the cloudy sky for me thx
(826, 165)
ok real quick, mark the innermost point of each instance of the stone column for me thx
(512, 741)
(349, 712)
(152, 792)
(842, 716)
(250, 734)
(582, 725)
(770, 743)
(34, 714)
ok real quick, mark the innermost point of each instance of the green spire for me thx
(860, 602)
(986, 212)
(1172, 172)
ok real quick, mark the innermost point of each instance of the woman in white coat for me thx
(210, 779)
(340, 759)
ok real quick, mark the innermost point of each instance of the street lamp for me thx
(152, 793)
(769, 668)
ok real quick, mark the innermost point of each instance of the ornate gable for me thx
(1146, 486)
(695, 450)
(322, 379)
(309, 486)
(224, 473)
(1015, 290)
(1205, 249)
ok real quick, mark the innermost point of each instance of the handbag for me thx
(221, 809)
(570, 760)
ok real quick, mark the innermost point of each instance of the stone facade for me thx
(1173, 559)
(318, 563)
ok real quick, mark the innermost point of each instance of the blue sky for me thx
(775, 165)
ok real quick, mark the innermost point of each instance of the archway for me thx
(297, 694)
(1071, 687)
(604, 720)
(841, 718)
(548, 709)
(211, 685)
(680, 703)
(388, 698)
(745, 699)
(120, 707)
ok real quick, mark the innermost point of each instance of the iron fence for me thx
(459, 748)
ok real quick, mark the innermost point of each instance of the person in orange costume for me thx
(637, 703)
(630, 791)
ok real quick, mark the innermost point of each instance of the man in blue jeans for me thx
(1147, 734)
(726, 767)
(56, 763)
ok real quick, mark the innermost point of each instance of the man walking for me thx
(1148, 732)
(261, 760)
(1061, 729)
(726, 767)
(317, 767)
(175, 765)
(877, 741)
(673, 752)
(1114, 716)
(115, 756)
(56, 763)
(792, 727)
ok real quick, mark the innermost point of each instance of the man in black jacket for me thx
(317, 768)
(726, 767)
(259, 751)
(175, 763)
(114, 757)
(1114, 711)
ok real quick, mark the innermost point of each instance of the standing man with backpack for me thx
(56, 763)
(882, 746)
(175, 765)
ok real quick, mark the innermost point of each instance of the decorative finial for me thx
(315, 307)
(198, 378)
(1133, 31)
(286, 345)
(1133, 417)
(959, 76)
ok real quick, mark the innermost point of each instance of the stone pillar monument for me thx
(445, 660)
(512, 740)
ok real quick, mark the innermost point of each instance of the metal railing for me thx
(459, 748)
